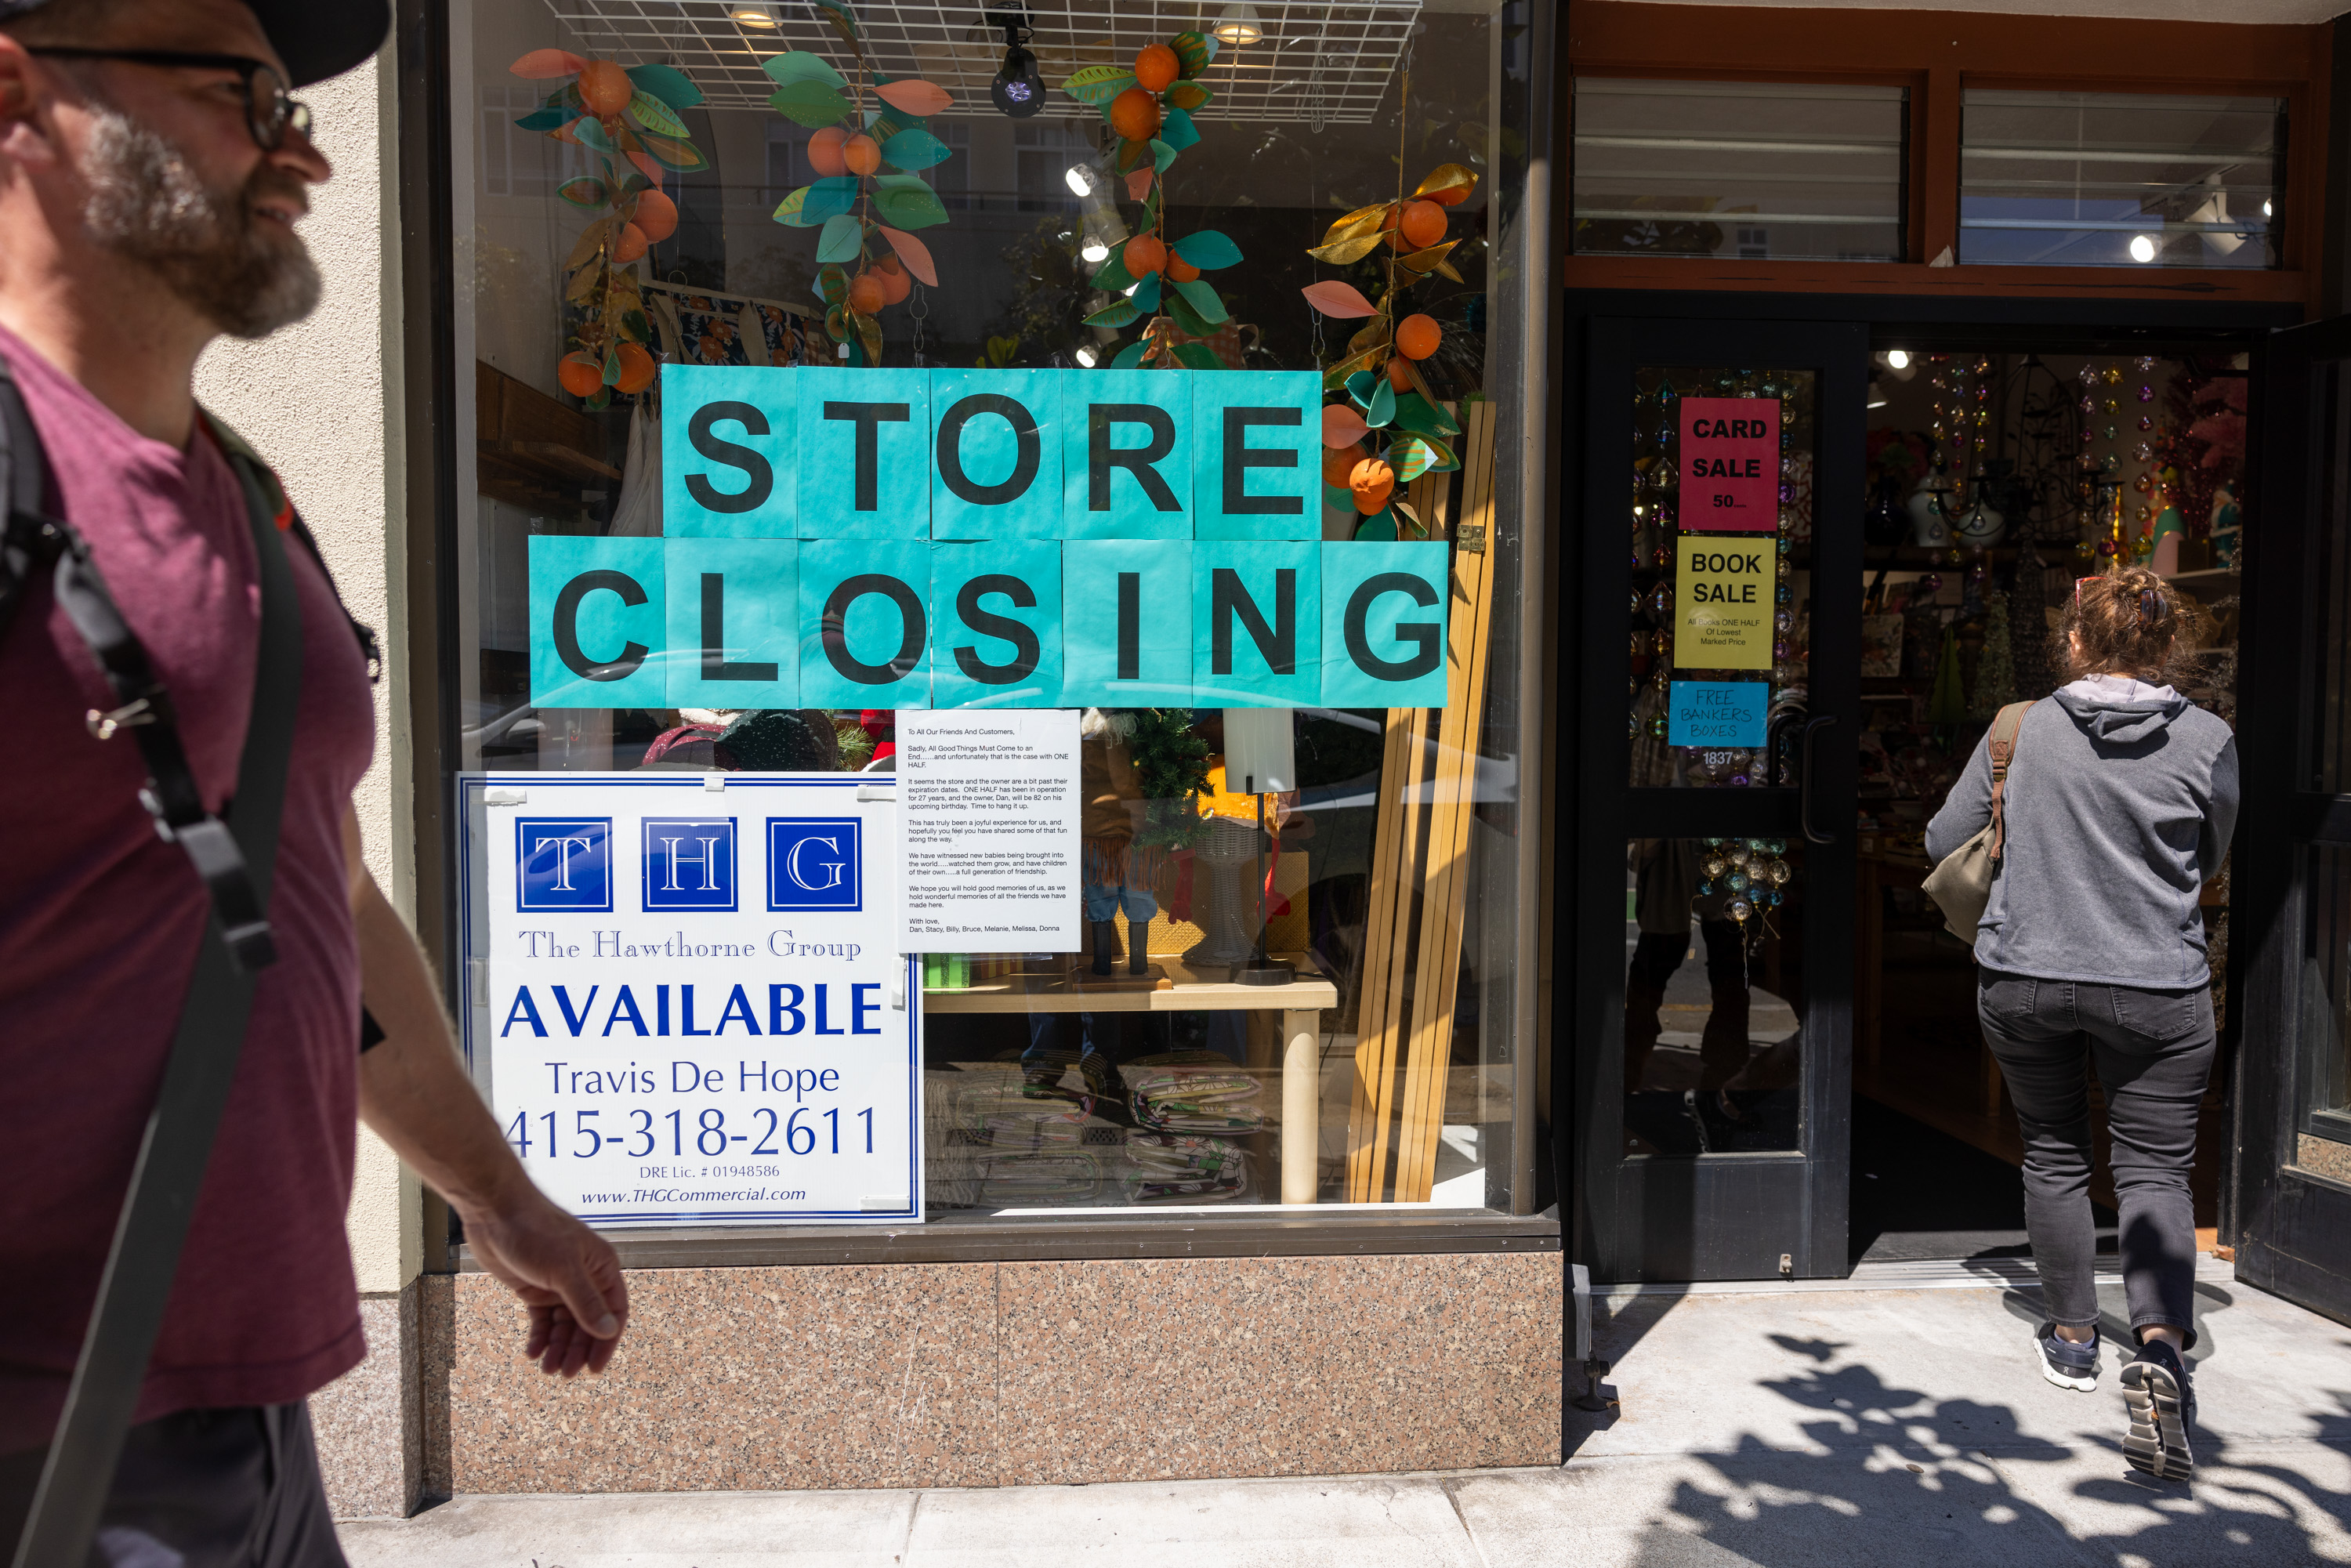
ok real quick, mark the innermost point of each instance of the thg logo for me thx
(564, 864)
(689, 863)
(813, 864)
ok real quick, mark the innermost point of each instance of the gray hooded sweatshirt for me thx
(2121, 798)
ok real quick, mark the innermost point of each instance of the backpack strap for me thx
(253, 470)
(2002, 744)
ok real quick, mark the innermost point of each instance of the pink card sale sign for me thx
(1730, 463)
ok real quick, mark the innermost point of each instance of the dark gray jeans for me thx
(2153, 1051)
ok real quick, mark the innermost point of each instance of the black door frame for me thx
(1587, 961)
(2292, 1227)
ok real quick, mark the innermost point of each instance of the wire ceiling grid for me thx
(1315, 61)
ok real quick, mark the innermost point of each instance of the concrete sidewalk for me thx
(1904, 1421)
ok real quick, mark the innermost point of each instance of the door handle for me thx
(1805, 793)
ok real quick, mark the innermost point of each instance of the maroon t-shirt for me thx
(99, 922)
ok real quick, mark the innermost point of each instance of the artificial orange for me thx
(581, 374)
(866, 294)
(1423, 224)
(862, 153)
(1134, 114)
(629, 244)
(605, 88)
(637, 369)
(1338, 461)
(896, 283)
(824, 152)
(656, 215)
(1155, 66)
(1399, 375)
(1180, 271)
(1417, 337)
(1145, 253)
(1371, 481)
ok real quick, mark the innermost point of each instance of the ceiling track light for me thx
(1238, 25)
(1017, 89)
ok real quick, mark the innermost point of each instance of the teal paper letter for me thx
(1126, 623)
(1256, 626)
(596, 622)
(1256, 440)
(734, 622)
(865, 623)
(1126, 455)
(996, 619)
(1384, 624)
(727, 464)
(995, 451)
(865, 454)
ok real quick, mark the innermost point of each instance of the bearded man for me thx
(152, 170)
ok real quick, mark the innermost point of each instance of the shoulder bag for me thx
(1961, 885)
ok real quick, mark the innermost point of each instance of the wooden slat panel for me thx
(1446, 893)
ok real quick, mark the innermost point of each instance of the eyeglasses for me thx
(269, 111)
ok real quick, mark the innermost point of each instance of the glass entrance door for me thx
(2293, 844)
(1714, 907)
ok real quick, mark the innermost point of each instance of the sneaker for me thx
(2066, 1363)
(2162, 1404)
(1102, 1080)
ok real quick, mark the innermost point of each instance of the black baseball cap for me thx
(316, 38)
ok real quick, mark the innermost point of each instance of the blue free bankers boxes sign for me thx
(988, 538)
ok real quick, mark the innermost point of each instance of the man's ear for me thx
(25, 129)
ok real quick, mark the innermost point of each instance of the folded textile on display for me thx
(1182, 1167)
(1194, 1092)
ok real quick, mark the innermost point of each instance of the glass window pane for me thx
(2087, 179)
(1753, 171)
(2325, 1133)
(1719, 627)
(1713, 996)
(2331, 734)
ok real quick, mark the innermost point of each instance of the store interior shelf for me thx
(1186, 993)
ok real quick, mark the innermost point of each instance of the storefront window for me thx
(2092, 178)
(670, 217)
(1751, 171)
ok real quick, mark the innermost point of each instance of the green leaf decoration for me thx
(635, 327)
(1098, 84)
(1358, 387)
(1411, 457)
(800, 65)
(1113, 277)
(1180, 310)
(591, 133)
(838, 12)
(1161, 156)
(1198, 356)
(1187, 96)
(654, 116)
(1338, 498)
(869, 336)
(1193, 53)
(811, 205)
(809, 103)
(1381, 409)
(907, 202)
(842, 239)
(1146, 294)
(681, 156)
(916, 149)
(1178, 130)
(667, 83)
(1380, 528)
(1123, 313)
(585, 192)
(612, 365)
(1201, 298)
(1421, 418)
(1131, 356)
(1209, 250)
(1133, 155)
(832, 285)
(544, 119)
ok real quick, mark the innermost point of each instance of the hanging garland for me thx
(632, 119)
(1149, 106)
(867, 161)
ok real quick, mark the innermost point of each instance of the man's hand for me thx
(414, 1093)
(565, 1273)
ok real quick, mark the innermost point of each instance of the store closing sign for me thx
(1730, 463)
(689, 1006)
(1723, 603)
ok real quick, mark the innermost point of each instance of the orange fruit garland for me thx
(656, 215)
(1134, 114)
(1371, 481)
(896, 284)
(1156, 67)
(1145, 253)
(862, 153)
(824, 152)
(1423, 224)
(581, 374)
(637, 369)
(1338, 461)
(605, 88)
(1417, 337)
(629, 244)
(1399, 375)
(866, 294)
(1180, 271)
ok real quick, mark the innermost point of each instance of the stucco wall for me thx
(321, 401)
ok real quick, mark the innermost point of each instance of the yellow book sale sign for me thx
(1723, 604)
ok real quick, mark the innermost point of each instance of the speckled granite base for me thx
(985, 1373)
(368, 1420)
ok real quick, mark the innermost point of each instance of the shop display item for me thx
(1182, 1167)
(1193, 1092)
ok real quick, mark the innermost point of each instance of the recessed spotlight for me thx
(1093, 250)
(2142, 248)
(1238, 25)
(762, 17)
(1898, 358)
(1079, 180)
(1087, 354)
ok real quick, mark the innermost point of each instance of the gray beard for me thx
(206, 247)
